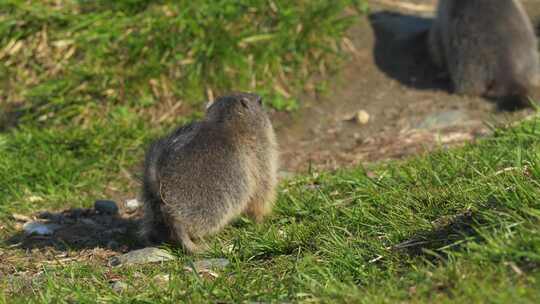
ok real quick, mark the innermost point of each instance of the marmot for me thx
(488, 47)
(203, 175)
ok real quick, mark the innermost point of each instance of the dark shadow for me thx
(401, 50)
(452, 233)
(81, 228)
(449, 232)
(510, 103)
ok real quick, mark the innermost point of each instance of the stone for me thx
(106, 207)
(39, 228)
(132, 205)
(362, 117)
(142, 256)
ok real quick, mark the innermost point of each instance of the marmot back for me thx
(203, 175)
(488, 47)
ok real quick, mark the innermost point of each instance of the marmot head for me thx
(239, 111)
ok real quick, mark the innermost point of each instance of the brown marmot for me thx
(488, 47)
(203, 175)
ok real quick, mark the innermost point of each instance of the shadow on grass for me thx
(448, 233)
(80, 228)
(401, 50)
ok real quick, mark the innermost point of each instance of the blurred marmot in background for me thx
(488, 47)
(203, 175)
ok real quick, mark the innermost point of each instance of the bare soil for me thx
(389, 75)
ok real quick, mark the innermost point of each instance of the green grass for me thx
(457, 225)
(72, 60)
(453, 226)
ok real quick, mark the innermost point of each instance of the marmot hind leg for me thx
(260, 205)
(181, 236)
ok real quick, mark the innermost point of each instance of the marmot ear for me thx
(259, 100)
(244, 102)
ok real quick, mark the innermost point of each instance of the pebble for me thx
(106, 206)
(40, 228)
(142, 256)
(362, 117)
(132, 205)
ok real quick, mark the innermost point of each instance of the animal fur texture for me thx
(488, 47)
(203, 175)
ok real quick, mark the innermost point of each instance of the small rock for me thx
(132, 205)
(119, 286)
(142, 256)
(211, 264)
(40, 228)
(106, 206)
(362, 117)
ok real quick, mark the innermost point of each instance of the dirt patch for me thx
(410, 106)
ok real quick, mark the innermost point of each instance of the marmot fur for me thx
(488, 47)
(203, 175)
